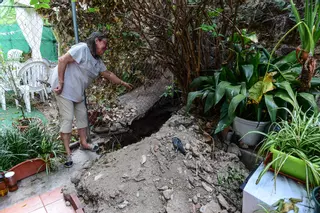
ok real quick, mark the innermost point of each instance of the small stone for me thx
(167, 194)
(223, 202)
(68, 203)
(188, 146)
(206, 187)
(75, 178)
(123, 205)
(143, 159)
(125, 176)
(98, 177)
(163, 188)
(212, 207)
(195, 199)
(198, 195)
(233, 148)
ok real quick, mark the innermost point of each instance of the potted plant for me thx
(28, 152)
(254, 86)
(294, 147)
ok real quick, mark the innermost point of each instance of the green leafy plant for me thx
(205, 86)
(254, 86)
(297, 137)
(309, 32)
(35, 142)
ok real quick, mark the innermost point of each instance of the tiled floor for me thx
(50, 202)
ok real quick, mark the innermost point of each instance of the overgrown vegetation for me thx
(35, 142)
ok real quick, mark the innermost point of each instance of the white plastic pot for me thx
(242, 126)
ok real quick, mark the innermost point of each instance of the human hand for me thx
(127, 85)
(58, 89)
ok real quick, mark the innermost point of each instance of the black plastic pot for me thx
(315, 195)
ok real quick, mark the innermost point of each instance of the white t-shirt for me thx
(79, 74)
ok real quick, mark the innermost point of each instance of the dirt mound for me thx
(151, 177)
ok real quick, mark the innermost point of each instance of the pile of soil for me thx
(151, 176)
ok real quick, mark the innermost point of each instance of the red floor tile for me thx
(59, 207)
(41, 210)
(26, 206)
(51, 197)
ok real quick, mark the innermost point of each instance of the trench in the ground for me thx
(150, 123)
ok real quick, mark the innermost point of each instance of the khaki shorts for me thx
(68, 110)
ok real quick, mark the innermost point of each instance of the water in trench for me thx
(147, 125)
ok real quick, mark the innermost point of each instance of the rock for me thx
(195, 199)
(207, 167)
(123, 204)
(212, 207)
(233, 148)
(68, 203)
(113, 194)
(143, 159)
(223, 202)
(97, 177)
(167, 194)
(86, 165)
(113, 128)
(206, 187)
(189, 165)
(187, 146)
(163, 188)
(75, 177)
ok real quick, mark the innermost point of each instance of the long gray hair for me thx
(91, 42)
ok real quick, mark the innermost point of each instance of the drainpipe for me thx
(74, 18)
(75, 27)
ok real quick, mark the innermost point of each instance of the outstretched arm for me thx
(114, 79)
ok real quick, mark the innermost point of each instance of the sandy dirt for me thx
(151, 177)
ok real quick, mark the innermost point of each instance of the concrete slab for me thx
(42, 182)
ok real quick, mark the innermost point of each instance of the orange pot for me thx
(28, 168)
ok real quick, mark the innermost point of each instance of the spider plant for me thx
(298, 137)
(35, 142)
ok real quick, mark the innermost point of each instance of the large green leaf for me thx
(284, 96)
(310, 99)
(315, 82)
(248, 71)
(286, 60)
(221, 90)
(261, 87)
(271, 106)
(191, 97)
(224, 119)
(202, 80)
(209, 102)
(287, 87)
(232, 91)
(234, 104)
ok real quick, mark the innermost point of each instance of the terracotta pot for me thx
(28, 168)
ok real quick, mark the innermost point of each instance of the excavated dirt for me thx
(151, 177)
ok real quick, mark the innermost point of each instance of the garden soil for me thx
(151, 176)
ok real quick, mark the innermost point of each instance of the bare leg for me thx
(83, 137)
(66, 140)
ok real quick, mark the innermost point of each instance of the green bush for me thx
(35, 142)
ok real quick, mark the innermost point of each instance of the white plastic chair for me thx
(14, 54)
(32, 74)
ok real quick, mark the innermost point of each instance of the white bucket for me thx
(242, 127)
